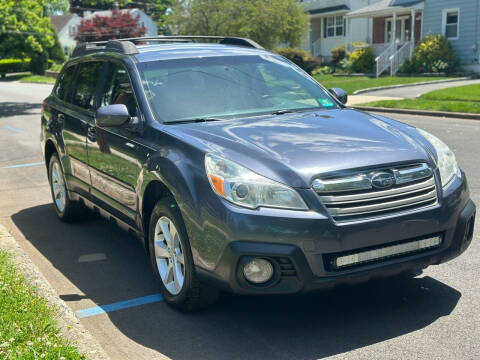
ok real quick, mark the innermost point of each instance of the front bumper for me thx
(300, 244)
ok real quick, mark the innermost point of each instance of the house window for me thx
(451, 19)
(333, 26)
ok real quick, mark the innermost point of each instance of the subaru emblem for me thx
(382, 180)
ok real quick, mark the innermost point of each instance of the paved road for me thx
(435, 316)
(412, 92)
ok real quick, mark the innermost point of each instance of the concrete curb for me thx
(379, 88)
(457, 115)
(69, 325)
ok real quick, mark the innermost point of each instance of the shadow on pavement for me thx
(18, 108)
(301, 327)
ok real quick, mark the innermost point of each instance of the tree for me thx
(25, 31)
(120, 25)
(55, 7)
(157, 9)
(79, 6)
(269, 22)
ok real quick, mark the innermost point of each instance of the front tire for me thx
(66, 209)
(172, 260)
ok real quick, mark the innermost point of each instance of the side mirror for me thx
(112, 115)
(340, 94)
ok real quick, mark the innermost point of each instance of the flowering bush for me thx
(338, 54)
(323, 70)
(433, 54)
(361, 60)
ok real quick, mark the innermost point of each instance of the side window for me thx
(118, 89)
(64, 82)
(84, 94)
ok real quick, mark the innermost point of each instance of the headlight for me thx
(243, 187)
(446, 162)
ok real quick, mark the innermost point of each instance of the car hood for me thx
(296, 148)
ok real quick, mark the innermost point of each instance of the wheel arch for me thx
(50, 149)
(154, 191)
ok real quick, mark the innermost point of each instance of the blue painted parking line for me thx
(15, 130)
(102, 309)
(23, 165)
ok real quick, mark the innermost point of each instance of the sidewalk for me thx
(362, 99)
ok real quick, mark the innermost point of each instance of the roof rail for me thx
(128, 46)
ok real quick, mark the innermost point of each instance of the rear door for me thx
(79, 114)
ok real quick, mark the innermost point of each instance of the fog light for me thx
(258, 270)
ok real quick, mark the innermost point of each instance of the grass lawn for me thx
(37, 79)
(457, 99)
(27, 326)
(353, 83)
(27, 77)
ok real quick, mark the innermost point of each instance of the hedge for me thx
(14, 65)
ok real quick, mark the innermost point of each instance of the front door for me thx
(402, 29)
(115, 154)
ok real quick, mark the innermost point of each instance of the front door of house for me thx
(402, 29)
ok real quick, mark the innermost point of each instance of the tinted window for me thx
(84, 94)
(64, 82)
(118, 89)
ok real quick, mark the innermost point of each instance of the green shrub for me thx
(323, 70)
(301, 57)
(362, 59)
(433, 54)
(14, 65)
(39, 63)
(346, 65)
(56, 67)
(338, 54)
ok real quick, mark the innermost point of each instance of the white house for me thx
(329, 27)
(66, 26)
(144, 19)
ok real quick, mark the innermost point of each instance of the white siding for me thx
(147, 21)
(361, 27)
(66, 36)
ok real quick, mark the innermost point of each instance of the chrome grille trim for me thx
(379, 195)
(357, 210)
(415, 189)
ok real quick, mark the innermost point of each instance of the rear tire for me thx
(172, 260)
(66, 209)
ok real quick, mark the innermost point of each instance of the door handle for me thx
(92, 134)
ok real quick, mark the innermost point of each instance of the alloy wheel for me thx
(58, 187)
(169, 255)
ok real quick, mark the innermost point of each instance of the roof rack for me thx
(128, 46)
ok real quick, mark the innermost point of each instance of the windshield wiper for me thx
(197, 120)
(281, 112)
(289, 111)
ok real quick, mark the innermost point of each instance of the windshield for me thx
(224, 87)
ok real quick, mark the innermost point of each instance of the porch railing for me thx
(383, 60)
(317, 47)
(399, 57)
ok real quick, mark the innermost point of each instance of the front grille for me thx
(382, 253)
(414, 188)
